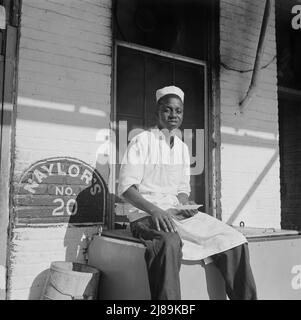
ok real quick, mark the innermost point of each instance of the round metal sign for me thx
(60, 189)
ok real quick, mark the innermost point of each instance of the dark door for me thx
(139, 75)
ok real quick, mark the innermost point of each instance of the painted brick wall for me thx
(33, 250)
(249, 141)
(63, 109)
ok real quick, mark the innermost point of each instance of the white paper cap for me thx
(169, 90)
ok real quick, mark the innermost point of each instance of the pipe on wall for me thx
(258, 60)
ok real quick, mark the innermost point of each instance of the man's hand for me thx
(184, 213)
(188, 202)
(181, 214)
(163, 219)
(190, 213)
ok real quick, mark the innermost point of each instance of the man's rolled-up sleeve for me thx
(132, 166)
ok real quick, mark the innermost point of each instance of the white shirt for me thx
(159, 172)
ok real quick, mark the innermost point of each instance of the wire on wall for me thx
(247, 70)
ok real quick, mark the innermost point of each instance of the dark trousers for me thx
(163, 258)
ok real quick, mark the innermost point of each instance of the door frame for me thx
(207, 144)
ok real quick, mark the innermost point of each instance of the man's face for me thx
(170, 113)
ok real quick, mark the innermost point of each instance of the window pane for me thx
(159, 73)
(130, 82)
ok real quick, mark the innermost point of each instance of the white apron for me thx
(202, 235)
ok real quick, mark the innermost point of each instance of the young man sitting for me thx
(155, 179)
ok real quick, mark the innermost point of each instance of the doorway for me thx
(140, 71)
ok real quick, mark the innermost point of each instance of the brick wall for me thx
(250, 185)
(33, 250)
(63, 109)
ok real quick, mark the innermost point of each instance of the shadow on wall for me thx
(63, 112)
(75, 243)
(38, 285)
(238, 210)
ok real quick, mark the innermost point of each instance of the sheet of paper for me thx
(189, 206)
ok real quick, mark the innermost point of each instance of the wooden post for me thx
(8, 89)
